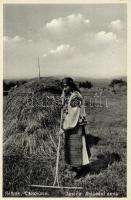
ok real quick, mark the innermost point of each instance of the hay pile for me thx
(31, 117)
(31, 124)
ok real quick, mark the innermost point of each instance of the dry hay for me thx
(29, 126)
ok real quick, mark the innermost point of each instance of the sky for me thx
(82, 40)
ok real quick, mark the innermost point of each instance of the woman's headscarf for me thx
(69, 81)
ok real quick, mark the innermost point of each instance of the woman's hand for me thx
(61, 132)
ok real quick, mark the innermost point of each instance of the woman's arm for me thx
(72, 117)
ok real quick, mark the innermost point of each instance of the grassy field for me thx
(30, 145)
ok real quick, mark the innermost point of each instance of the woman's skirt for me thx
(75, 147)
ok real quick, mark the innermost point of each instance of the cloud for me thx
(62, 49)
(77, 18)
(80, 40)
(30, 41)
(5, 38)
(76, 30)
(54, 23)
(14, 39)
(107, 63)
(44, 55)
(17, 39)
(116, 25)
(69, 22)
(105, 37)
(71, 29)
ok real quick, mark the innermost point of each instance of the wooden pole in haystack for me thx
(38, 69)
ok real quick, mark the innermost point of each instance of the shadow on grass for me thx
(90, 141)
(98, 165)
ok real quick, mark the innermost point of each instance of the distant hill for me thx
(96, 82)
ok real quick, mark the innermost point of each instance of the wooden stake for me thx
(39, 68)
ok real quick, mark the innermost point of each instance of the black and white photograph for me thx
(64, 100)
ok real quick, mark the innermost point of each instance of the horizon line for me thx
(60, 76)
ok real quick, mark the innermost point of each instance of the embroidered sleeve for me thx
(76, 102)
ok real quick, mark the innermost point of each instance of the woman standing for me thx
(73, 125)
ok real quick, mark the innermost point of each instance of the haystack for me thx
(31, 125)
(31, 118)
